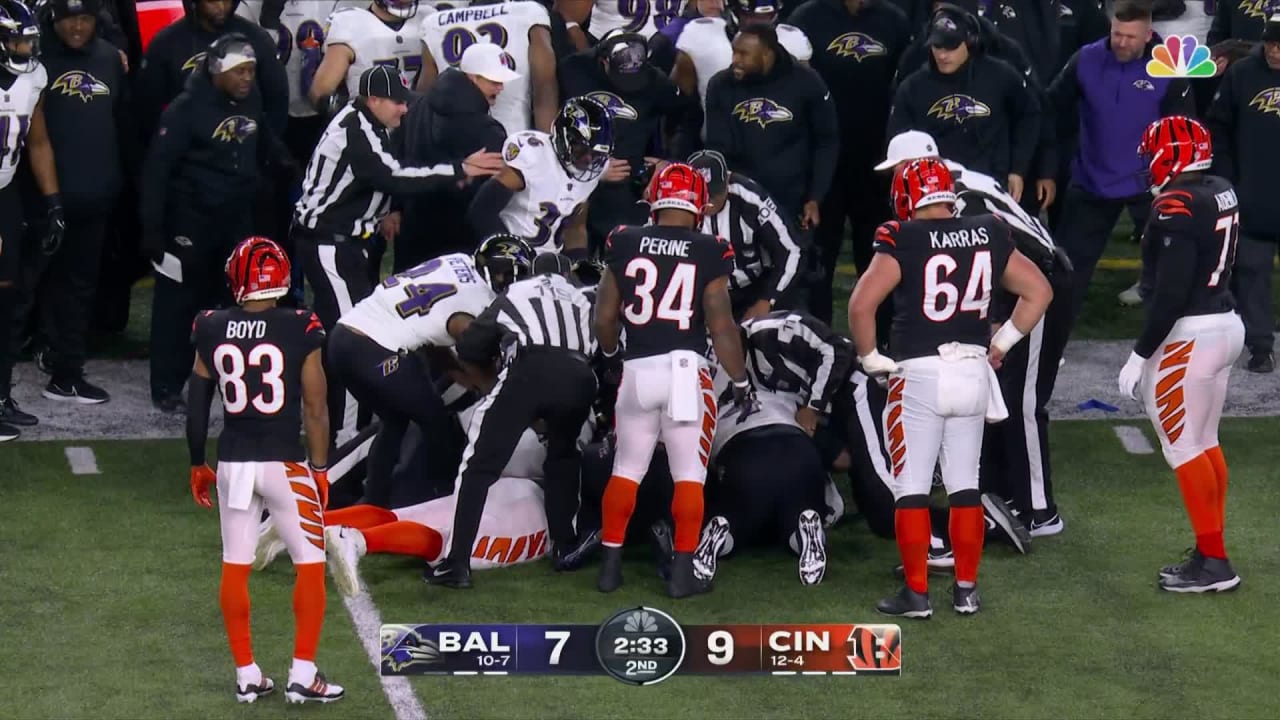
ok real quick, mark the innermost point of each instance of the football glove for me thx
(1131, 375)
(873, 363)
(55, 228)
(321, 477)
(202, 478)
(744, 398)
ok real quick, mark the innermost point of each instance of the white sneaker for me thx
(269, 545)
(344, 547)
(318, 690)
(813, 548)
(1130, 297)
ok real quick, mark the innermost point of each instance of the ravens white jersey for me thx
(17, 104)
(446, 34)
(645, 17)
(300, 42)
(550, 197)
(706, 42)
(411, 309)
(375, 43)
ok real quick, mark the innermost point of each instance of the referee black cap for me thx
(714, 170)
(383, 82)
(552, 264)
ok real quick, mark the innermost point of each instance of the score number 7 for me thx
(561, 637)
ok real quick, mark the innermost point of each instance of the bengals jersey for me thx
(1188, 250)
(661, 273)
(948, 270)
(256, 359)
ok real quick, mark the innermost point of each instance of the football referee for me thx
(542, 328)
(347, 191)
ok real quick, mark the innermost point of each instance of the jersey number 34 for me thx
(676, 304)
(942, 298)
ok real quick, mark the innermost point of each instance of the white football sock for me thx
(248, 675)
(302, 672)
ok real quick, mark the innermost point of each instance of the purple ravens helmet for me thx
(18, 26)
(582, 136)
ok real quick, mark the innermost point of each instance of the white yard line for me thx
(368, 622)
(1133, 439)
(82, 461)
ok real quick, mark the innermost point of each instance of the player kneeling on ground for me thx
(940, 269)
(1191, 336)
(268, 369)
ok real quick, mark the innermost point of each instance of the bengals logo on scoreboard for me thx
(877, 647)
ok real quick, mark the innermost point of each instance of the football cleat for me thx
(269, 545)
(714, 536)
(573, 557)
(445, 574)
(320, 690)
(965, 600)
(907, 603)
(813, 548)
(1044, 524)
(9, 432)
(941, 560)
(1202, 574)
(344, 547)
(610, 577)
(1002, 518)
(684, 582)
(664, 548)
(1189, 556)
(249, 693)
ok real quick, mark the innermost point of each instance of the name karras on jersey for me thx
(964, 238)
(664, 246)
(1226, 200)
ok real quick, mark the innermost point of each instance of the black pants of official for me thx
(1015, 451)
(859, 196)
(1251, 284)
(398, 388)
(761, 495)
(203, 286)
(1084, 230)
(653, 499)
(60, 290)
(551, 385)
(856, 421)
(11, 240)
(338, 272)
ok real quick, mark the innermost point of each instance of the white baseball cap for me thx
(909, 145)
(489, 62)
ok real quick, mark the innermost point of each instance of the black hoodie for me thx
(778, 128)
(177, 49)
(1244, 118)
(86, 110)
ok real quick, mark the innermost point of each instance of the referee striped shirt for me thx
(545, 311)
(980, 194)
(764, 248)
(352, 175)
(794, 352)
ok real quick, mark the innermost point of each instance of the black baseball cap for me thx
(62, 9)
(383, 82)
(713, 168)
(1271, 30)
(944, 30)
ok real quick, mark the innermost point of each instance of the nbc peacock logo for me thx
(1180, 56)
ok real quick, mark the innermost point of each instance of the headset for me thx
(970, 25)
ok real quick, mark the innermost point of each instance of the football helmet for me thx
(589, 271)
(755, 12)
(403, 9)
(582, 137)
(1172, 146)
(925, 181)
(502, 259)
(679, 187)
(258, 269)
(18, 25)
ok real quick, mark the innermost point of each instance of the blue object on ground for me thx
(1092, 404)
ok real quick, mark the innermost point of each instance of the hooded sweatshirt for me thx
(1244, 118)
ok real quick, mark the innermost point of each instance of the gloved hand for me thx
(1131, 375)
(56, 227)
(611, 368)
(873, 363)
(744, 398)
(321, 476)
(202, 478)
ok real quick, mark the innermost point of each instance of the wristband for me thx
(1006, 337)
(571, 25)
(610, 354)
(318, 468)
(742, 384)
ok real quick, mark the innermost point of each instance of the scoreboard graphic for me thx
(641, 646)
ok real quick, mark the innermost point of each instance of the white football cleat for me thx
(319, 690)
(813, 548)
(269, 545)
(253, 691)
(344, 547)
(710, 548)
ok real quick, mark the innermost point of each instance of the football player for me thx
(541, 194)
(522, 28)
(645, 17)
(940, 270)
(358, 39)
(373, 351)
(1191, 337)
(668, 285)
(265, 362)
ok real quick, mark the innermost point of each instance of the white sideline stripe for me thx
(82, 461)
(368, 622)
(1134, 440)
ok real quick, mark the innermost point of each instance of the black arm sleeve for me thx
(199, 399)
(1174, 276)
(486, 206)
(1064, 95)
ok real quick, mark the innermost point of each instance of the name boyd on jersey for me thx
(964, 238)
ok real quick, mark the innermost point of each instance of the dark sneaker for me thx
(1002, 518)
(249, 693)
(320, 690)
(446, 574)
(572, 557)
(9, 432)
(683, 582)
(12, 414)
(78, 390)
(1189, 556)
(170, 404)
(965, 600)
(907, 603)
(1261, 362)
(1202, 574)
(1045, 523)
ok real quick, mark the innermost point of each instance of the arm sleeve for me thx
(484, 215)
(826, 140)
(1179, 99)
(199, 400)
(682, 116)
(774, 233)
(1220, 119)
(1024, 125)
(166, 151)
(371, 163)
(1175, 274)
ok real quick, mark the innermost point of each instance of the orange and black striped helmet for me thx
(1172, 146)
(258, 269)
(681, 187)
(925, 181)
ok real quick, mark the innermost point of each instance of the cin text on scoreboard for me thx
(641, 646)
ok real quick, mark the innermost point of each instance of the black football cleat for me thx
(941, 560)
(907, 603)
(683, 582)
(664, 548)
(965, 600)
(1201, 575)
(447, 574)
(610, 577)
(1002, 520)
(252, 692)
(573, 557)
(1190, 555)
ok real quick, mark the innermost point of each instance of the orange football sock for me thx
(911, 526)
(1199, 485)
(404, 538)
(616, 507)
(967, 529)
(359, 517)
(308, 609)
(233, 595)
(686, 512)
(1219, 462)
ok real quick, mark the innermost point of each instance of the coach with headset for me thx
(201, 174)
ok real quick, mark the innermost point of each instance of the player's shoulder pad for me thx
(347, 25)
(523, 149)
(313, 324)
(693, 32)
(530, 11)
(726, 247)
(202, 320)
(887, 235)
(1171, 205)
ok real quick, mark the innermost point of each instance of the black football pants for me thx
(1251, 284)
(762, 496)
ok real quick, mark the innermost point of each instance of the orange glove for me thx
(202, 477)
(321, 477)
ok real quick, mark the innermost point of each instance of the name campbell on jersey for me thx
(375, 43)
(16, 107)
(549, 198)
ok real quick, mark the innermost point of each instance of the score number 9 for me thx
(637, 12)
(720, 647)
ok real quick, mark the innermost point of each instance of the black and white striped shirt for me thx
(545, 311)
(794, 352)
(352, 175)
(980, 194)
(764, 247)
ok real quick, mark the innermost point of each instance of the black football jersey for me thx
(949, 268)
(661, 274)
(256, 359)
(1188, 250)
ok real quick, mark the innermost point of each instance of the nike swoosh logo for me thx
(1162, 216)
(827, 96)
